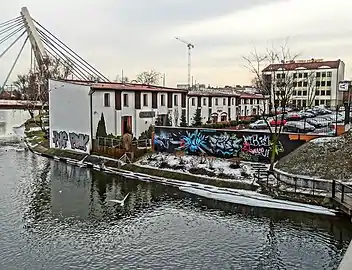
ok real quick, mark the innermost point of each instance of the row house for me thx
(220, 106)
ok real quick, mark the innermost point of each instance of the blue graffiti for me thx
(194, 143)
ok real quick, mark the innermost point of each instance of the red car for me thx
(278, 122)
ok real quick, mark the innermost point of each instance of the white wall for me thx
(69, 121)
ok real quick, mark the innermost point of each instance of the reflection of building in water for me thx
(10, 119)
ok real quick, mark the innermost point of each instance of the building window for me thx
(125, 100)
(294, 93)
(145, 100)
(328, 93)
(224, 101)
(175, 100)
(299, 84)
(318, 75)
(323, 74)
(233, 101)
(193, 101)
(204, 101)
(162, 100)
(323, 93)
(304, 92)
(300, 75)
(300, 93)
(216, 101)
(323, 83)
(294, 84)
(328, 74)
(305, 75)
(106, 100)
(305, 84)
(317, 103)
(317, 92)
(317, 83)
(328, 83)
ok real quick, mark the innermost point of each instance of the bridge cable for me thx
(9, 28)
(14, 63)
(65, 57)
(49, 49)
(78, 64)
(13, 43)
(101, 75)
(11, 21)
(11, 35)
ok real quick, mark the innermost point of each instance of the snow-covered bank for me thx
(223, 169)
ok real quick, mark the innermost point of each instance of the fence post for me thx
(342, 192)
(295, 184)
(333, 189)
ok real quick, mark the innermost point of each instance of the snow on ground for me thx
(324, 140)
(210, 167)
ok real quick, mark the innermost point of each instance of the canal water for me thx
(57, 216)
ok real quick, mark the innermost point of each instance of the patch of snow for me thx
(263, 202)
(324, 140)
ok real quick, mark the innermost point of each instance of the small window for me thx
(216, 102)
(106, 100)
(299, 84)
(175, 100)
(300, 93)
(328, 83)
(317, 92)
(162, 100)
(316, 103)
(300, 75)
(318, 74)
(323, 83)
(328, 74)
(233, 101)
(294, 84)
(328, 93)
(204, 101)
(224, 101)
(305, 75)
(323, 93)
(125, 100)
(304, 92)
(305, 84)
(317, 83)
(145, 100)
(193, 101)
(294, 93)
(323, 74)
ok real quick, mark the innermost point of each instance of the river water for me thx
(57, 216)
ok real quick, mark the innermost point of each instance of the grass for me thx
(188, 177)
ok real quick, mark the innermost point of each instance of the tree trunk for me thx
(274, 146)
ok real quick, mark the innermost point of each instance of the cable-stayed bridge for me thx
(45, 47)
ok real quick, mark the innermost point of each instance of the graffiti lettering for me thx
(60, 139)
(79, 141)
(194, 142)
(257, 140)
(225, 145)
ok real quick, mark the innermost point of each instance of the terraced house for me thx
(314, 82)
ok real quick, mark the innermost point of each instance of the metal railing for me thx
(342, 193)
(117, 143)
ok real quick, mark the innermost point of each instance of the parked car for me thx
(305, 114)
(293, 116)
(318, 122)
(259, 124)
(279, 120)
(298, 126)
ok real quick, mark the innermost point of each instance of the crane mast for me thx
(190, 46)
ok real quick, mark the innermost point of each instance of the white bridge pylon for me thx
(45, 47)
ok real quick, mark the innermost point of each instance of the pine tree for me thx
(183, 122)
(101, 129)
(197, 119)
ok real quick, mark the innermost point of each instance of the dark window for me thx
(204, 101)
(300, 75)
(216, 102)
(305, 84)
(193, 102)
(316, 103)
(137, 100)
(224, 101)
(323, 93)
(328, 74)
(294, 93)
(106, 100)
(317, 92)
(304, 92)
(328, 93)
(125, 100)
(300, 93)
(299, 84)
(328, 83)
(295, 75)
(317, 83)
(294, 84)
(318, 74)
(323, 74)
(117, 100)
(233, 101)
(322, 83)
(162, 100)
(154, 100)
(175, 100)
(305, 75)
(145, 100)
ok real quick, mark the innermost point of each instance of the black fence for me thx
(117, 143)
(342, 193)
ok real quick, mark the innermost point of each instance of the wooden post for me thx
(152, 142)
(342, 192)
(333, 189)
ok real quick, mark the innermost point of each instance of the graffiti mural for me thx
(79, 141)
(76, 141)
(248, 146)
(60, 139)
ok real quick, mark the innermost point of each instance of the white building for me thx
(76, 108)
(315, 81)
(224, 105)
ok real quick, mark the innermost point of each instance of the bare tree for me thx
(273, 78)
(121, 79)
(148, 77)
(311, 88)
(34, 86)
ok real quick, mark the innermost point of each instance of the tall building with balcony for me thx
(314, 82)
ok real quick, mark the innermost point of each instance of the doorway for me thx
(126, 124)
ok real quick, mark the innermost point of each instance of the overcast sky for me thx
(138, 35)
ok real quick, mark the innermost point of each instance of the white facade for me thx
(69, 121)
(315, 82)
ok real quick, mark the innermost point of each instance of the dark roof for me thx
(307, 65)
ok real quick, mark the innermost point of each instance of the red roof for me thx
(307, 65)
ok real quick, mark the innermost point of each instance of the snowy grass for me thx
(200, 166)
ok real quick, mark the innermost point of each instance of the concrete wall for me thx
(222, 143)
(69, 121)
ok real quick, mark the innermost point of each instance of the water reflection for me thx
(69, 222)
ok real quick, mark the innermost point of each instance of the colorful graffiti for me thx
(221, 143)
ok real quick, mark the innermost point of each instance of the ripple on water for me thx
(159, 227)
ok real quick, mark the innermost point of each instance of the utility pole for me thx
(190, 46)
